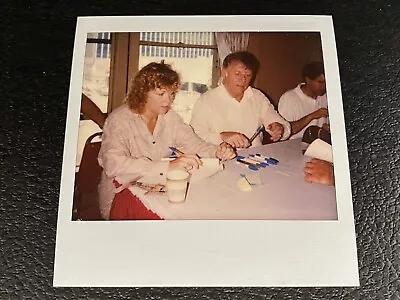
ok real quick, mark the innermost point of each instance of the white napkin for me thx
(210, 167)
(320, 150)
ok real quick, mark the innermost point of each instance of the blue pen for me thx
(269, 160)
(258, 130)
(251, 166)
(180, 153)
(252, 160)
(176, 150)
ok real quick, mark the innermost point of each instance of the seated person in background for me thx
(137, 135)
(306, 104)
(234, 110)
(319, 171)
(92, 112)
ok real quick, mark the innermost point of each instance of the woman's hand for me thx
(186, 161)
(225, 152)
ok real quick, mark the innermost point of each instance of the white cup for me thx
(177, 183)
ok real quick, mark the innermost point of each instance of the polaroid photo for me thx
(270, 207)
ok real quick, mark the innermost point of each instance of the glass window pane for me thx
(184, 86)
(199, 38)
(194, 69)
(96, 72)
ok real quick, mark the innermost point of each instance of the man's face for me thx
(317, 86)
(236, 79)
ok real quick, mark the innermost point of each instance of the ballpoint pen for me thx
(251, 166)
(180, 153)
(268, 160)
(250, 160)
(258, 130)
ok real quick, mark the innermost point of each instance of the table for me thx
(284, 194)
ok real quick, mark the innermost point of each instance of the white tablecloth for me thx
(284, 194)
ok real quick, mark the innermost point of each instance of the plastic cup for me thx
(177, 183)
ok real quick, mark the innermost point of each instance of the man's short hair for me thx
(313, 70)
(248, 59)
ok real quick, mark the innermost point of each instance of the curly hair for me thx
(152, 76)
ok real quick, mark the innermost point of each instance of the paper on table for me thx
(320, 150)
(210, 167)
(244, 185)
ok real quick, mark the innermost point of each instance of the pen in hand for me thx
(258, 130)
(180, 153)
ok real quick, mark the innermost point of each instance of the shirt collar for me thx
(247, 94)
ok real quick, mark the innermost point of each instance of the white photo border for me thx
(207, 253)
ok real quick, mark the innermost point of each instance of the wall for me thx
(282, 57)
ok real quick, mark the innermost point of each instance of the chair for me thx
(314, 132)
(86, 204)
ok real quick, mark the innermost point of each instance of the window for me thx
(192, 54)
(103, 49)
(184, 86)
(95, 83)
(199, 88)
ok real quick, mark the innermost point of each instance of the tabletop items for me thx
(275, 191)
(150, 188)
(257, 161)
(254, 162)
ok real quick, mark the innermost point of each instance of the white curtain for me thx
(228, 42)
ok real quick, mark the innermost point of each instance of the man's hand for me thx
(319, 171)
(235, 139)
(275, 130)
(225, 152)
(320, 113)
(186, 161)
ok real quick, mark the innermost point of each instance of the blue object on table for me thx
(251, 166)
(261, 161)
(257, 163)
(258, 130)
(272, 161)
(269, 160)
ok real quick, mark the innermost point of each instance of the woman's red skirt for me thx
(127, 206)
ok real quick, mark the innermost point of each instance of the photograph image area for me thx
(204, 145)
(239, 112)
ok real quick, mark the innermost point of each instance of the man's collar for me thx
(226, 94)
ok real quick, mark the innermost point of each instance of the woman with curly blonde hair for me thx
(138, 134)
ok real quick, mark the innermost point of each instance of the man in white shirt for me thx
(233, 111)
(306, 104)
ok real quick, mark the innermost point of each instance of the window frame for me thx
(125, 51)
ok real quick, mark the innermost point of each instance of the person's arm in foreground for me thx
(319, 171)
